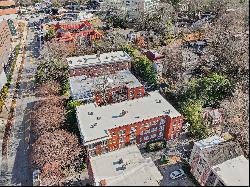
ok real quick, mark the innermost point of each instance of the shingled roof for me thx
(222, 152)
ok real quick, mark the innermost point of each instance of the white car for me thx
(176, 174)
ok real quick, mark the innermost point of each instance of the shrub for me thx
(155, 146)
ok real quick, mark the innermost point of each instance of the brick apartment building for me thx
(5, 49)
(7, 10)
(215, 161)
(138, 121)
(106, 89)
(97, 65)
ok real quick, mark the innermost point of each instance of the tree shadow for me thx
(85, 182)
(26, 89)
(21, 172)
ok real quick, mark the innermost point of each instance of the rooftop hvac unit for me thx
(120, 161)
(159, 101)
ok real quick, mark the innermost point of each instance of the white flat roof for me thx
(234, 172)
(137, 110)
(93, 60)
(8, 16)
(139, 171)
(209, 142)
(84, 88)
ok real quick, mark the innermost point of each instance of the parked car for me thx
(176, 174)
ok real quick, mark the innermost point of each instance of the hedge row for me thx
(4, 91)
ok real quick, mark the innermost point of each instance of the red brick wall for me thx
(114, 141)
(145, 131)
(137, 93)
(174, 127)
(99, 70)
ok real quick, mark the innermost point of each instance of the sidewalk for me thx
(8, 101)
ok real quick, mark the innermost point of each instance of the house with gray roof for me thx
(214, 152)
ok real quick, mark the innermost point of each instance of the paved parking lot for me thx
(176, 149)
(167, 181)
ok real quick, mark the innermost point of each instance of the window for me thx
(201, 163)
(160, 134)
(199, 171)
(162, 121)
(153, 136)
(161, 127)
(147, 131)
(132, 129)
(154, 129)
(121, 139)
(105, 142)
(122, 132)
(132, 137)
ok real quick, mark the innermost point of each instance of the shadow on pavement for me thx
(21, 173)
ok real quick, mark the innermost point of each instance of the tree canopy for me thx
(209, 90)
(143, 68)
(53, 71)
(192, 111)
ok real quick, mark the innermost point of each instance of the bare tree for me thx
(47, 116)
(50, 88)
(173, 66)
(54, 49)
(54, 153)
